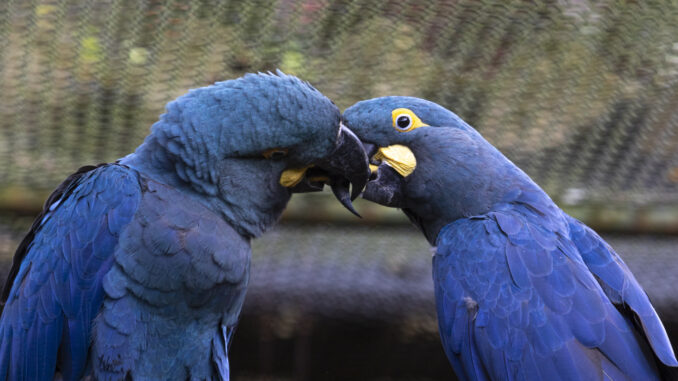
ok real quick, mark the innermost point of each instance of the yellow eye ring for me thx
(405, 120)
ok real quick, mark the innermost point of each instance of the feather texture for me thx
(545, 313)
(57, 290)
(143, 286)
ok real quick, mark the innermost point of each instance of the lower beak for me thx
(346, 166)
(389, 167)
(385, 187)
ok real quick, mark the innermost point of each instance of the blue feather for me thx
(508, 223)
(550, 317)
(621, 286)
(69, 252)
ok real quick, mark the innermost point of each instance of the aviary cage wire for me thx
(582, 95)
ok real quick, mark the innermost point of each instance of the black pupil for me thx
(403, 121)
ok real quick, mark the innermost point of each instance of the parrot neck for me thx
(238, 189)
(459, 175)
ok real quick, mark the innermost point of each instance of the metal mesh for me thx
(582, 95)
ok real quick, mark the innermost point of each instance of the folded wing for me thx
(55, 287)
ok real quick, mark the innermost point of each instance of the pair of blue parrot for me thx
(138, 269)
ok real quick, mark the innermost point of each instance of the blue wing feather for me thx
(55, 287)
(551, 307)
(621, 286)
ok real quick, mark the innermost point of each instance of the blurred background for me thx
(583, 95)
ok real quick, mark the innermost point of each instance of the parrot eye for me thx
(405, 120)
(275, 153)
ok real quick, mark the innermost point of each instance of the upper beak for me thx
(346, 166)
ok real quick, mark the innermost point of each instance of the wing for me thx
(54, 290)
(516, 300)
(621, 287)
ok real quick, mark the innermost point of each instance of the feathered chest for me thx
(179, 278)
(176, 250)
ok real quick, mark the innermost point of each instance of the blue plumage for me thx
(544, 309)
(523, 291)
(138, 269)
(58, 289)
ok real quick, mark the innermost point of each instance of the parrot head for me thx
(427, 161)
(247, 144)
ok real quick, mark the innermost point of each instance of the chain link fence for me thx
(582, 95)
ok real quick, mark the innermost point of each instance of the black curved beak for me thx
(347, 166)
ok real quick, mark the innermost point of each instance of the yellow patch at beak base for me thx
(292, 177)
(398, 157)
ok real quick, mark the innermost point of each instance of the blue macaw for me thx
(138, 269)
(523, 291)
